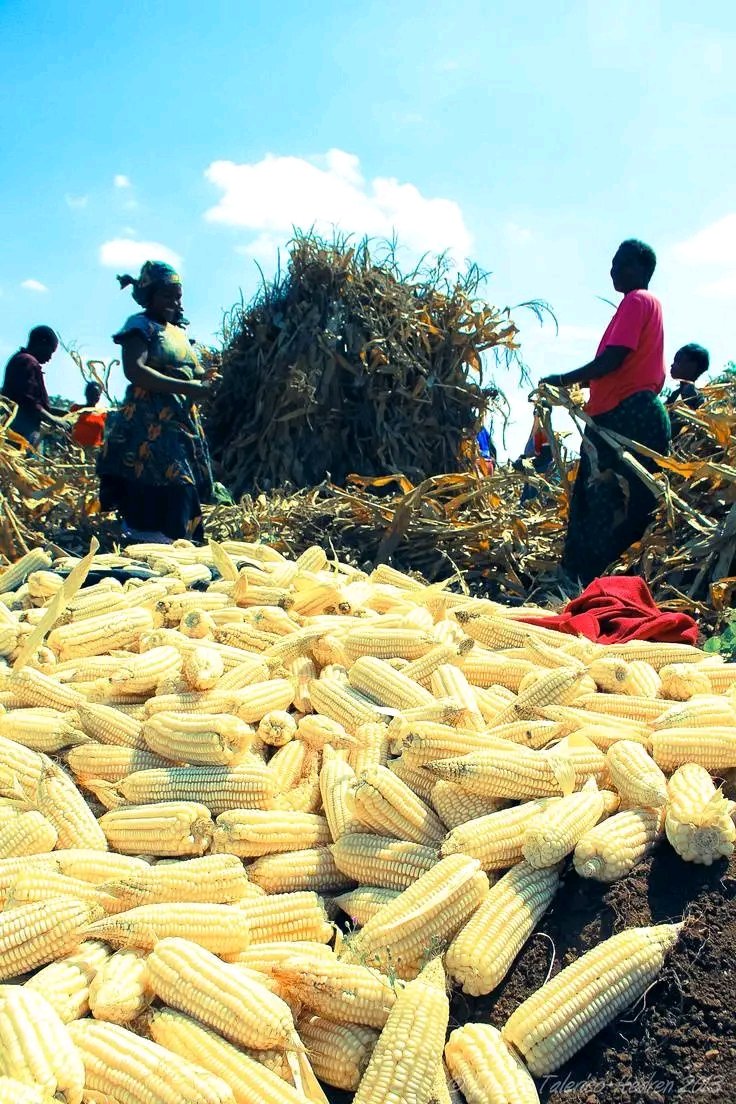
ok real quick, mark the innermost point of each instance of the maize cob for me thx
(90, 865)
(34, 688)
(249, 833)
(44, 885)
(702, 710)
(486, 1069)
(555, 831)
(16, 1092)
(28, 834)
(609, 673)
(141, 674)
(657, 655)
(109, 763)
(681, 681)
(407, 1058)
(456, 806)
(287, 766)
(119, 991)
(387, 643)
(211, 879)
(41, 729)
(377, 680)
(192, 980)
(190, 1039)
(110, 726)
(426, 915)
(635, 775)
(336, 782)
(364, 902)
(623, 706)
(482, 952)
(419, 781)
(613, 848)
(20, 770)
(96, 635)
(62, 804)
(95, 601)
(37, 1049)
(387, 806)
(721, 675)
(219, 928)
(65, 983)
(485, 669)
(312, 868)
(264, 957)
(343, 704)
(450, 682)
(246, 636)
(32, 935)
(713, 748)
(425, 741)
(561, 1017)
(573, 719)
(420, 670)
(343, 992)
(167, 828)
(301, 671)
(513, 772)
(550, 688)
(243, 674)
(339, 1052)
(495, 839)
(12, 577)
(287, 916)
(699, 819)
(198, 738)
(242, 786)
(121, 1066)
(496, 633)
(198, 624)
(277, 728)
(382, 861)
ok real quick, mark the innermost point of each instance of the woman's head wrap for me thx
(153, 274)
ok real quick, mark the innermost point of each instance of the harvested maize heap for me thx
(252, 835)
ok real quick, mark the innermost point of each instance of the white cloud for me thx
(725, 288)
(518, 235)
(76, 203)
(271, 196)
(33, 285)
(121, 181)
(714, 244)
(126, 253)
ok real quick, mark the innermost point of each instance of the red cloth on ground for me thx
(619, 608)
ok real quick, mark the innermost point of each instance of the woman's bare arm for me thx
(141, 374)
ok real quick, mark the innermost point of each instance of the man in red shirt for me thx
(24, 384)
(611, 507)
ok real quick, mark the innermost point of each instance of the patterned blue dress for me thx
(154, 465)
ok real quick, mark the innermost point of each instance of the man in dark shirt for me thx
(25, 386)
(689, 364)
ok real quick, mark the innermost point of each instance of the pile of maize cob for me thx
(209, 775)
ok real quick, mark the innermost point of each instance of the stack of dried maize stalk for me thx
(207, 775)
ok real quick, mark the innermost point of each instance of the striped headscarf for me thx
(152, 275)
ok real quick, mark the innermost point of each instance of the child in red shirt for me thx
(89, 427)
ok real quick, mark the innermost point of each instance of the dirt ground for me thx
(678, 1045)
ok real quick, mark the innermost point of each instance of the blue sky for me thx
(530, 137)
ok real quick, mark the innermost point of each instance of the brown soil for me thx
(677, 1045)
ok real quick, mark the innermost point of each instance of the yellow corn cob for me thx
(198, 625)
(265, 957)
(423, 917)
(287, 766)
(387, 806)
(141, 674)
(657, 655)
(192, 980)
(386, 643)
(552, 687)
(202, 668)
(28, 834)
(419, 781)
(623, 706)
(96, 635)
(110, 726)
(12, 577)
(20, 770)
(337, 780)
(16, 1092)
(90, 865)
(93, 602)
(167, 828)
(573, 719)
(408, 1055)
(713, 748)
(613, 848)
(287, 916)
(385, 574)
(313, 868)
(702, 710)
(382, 684)
(371, 748)
(32, 935)
(495, 701)
(515, 772)
(343, 704)
(42, 729)
(339, 1052)
(382, 861)
(554, 832)
(681, 681)
(246, 636)
(34, 688)
(699, 819)
(220, 928)
(37, 1048)
(211, 879)
(120, 1066)
(119, 991)
(260, 698)
(246, 785)
(482, 952)
(363, 903)
(421, 670)
(110, 763)
(65, 984)
(344, 992)
(561, 1017)
(301, 671)
(252, 832)
(198, 738)
(44, 885)
(486, 1069)
(425, 741)
(277, 728)
(62, 804)
(190, 1039)
(495, 632)
(641, 680)
(496, 838)
(635, 775)
(721, 675)
(456, 806)
(609, 673)
(450, 682)
(9, 636)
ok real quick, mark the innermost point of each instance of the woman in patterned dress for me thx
(154, 465)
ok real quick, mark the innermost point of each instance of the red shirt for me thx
(89, 428)
(24, 383)
(637, 325)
